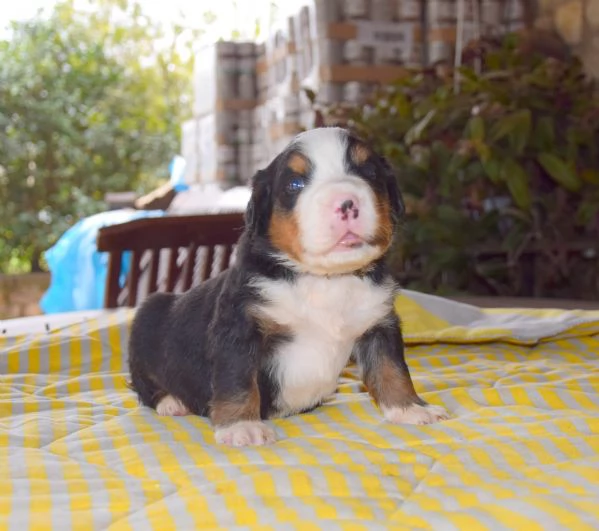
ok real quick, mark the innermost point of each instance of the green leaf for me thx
(587, 211)
(476, 127)
(521, 132)
(516, 127)
(544, 136)
(415, 133)
(502, 128)
(590, 176)
(517, 182)
(482, 150)
(492, 168)
(560, 172)
(402, 104)
(572, 144)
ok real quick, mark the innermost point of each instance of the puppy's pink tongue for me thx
(349, 241)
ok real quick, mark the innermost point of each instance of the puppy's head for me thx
(328, 204)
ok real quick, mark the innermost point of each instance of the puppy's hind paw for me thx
(245, 433)
(170, 406)
(415, 414)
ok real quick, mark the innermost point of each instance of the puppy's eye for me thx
(295, 185)
(368, 171)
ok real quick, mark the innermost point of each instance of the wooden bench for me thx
(171, 254)
(174, 253)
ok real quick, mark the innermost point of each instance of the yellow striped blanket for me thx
(521, 451)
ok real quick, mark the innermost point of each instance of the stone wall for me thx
(577, 23)
(20, 294)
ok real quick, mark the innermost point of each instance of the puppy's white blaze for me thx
(245, 433)
(325, 316)
(415, 414)
(326, 148)
(170, 406)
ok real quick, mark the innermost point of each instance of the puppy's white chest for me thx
(324, 317)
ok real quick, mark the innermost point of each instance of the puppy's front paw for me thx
(245, 433)
(415, 414)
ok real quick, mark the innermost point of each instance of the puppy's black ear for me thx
(395, 197)
(259, 208)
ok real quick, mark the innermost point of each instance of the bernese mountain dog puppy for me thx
(308, 291)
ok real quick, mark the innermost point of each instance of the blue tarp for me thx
(78, 270)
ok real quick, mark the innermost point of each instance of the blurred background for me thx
(487, 108)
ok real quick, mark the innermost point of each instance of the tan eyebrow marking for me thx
(360, 153)
(298, 163)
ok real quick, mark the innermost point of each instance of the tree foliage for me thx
(501, 178)
(90, 101)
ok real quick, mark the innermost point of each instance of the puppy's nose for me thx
(347, 207)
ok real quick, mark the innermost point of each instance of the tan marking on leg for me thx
(237, 421)
(237, 408)
(390, 387)
(394, 392)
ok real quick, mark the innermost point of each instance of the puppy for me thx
(309, 289)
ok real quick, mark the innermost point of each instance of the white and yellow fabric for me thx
(521, 451)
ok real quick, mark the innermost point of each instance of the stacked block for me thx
(249, 98)
(217, 141)
(347, 47)
(481, 18)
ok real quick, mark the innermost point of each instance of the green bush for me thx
(501, 177)
(89, 104)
